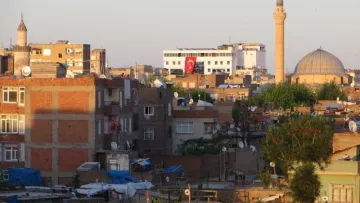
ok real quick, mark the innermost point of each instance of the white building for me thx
(231, 59)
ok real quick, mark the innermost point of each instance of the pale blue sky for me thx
(139, 30)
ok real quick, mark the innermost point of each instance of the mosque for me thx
(317, 67)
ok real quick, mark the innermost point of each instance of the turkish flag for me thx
(190, 64)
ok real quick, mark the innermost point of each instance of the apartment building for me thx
(75, 56)
(155, 120)
(98, 61)
(192, 123)
(226, 58)
(57, 124)
(196, 81)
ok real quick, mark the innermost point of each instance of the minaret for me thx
(279, 17)
(21, 50)
(22, 33)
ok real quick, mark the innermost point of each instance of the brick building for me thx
(56, 124)
(155, 119)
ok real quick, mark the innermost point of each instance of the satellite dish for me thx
(187, 192)
(167, 179)
(324, 198)
(218, 127)
(176, 95)
(232, 126)
(353, 126)
(241, 144)
(224, 149)
(26, 71)
(253, 148)
(191, 101)
(272, 164)
(114, 146)
(102, 76)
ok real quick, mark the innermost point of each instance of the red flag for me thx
(190, 64)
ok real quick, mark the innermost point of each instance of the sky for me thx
(137, 31)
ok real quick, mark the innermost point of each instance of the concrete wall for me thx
(198, 131)
(21, 59)
(319, 79)
(59, 53)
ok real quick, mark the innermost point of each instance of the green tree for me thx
(179, 90)
(330, 91)
(288, 95)
(297, 142)
(205, 96)
(202, 146)
(305, 184)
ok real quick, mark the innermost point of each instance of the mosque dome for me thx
(319, 62)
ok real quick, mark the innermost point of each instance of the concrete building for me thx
(223, 59)
(229, 94)
(279, 17)
(155, 119)
(98, 61)
(355, 77)
(192, 123)
(57, 124)
(75, 56)
(196, 81)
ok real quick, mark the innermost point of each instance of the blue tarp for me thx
(25, 176)
(173, 169)
(12, 199)
(144, 163)
(120, 177)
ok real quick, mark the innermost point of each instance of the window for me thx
(21, 124)
(11, 153)
(99, 99)
(130, 124)
(10, 94)
(169, 109)
(209, 62)
(228, 70)
(184, 85)
(22, 96)
(184, 127)
(179, 63)
(174, 63)
(106, 125)
(167, 62)
(149, 133)
(209, 70)
(216, 62)
(149, 110)
(342, 193)
(228, 62)
(60, 55)
(120, 99)
(209, 128)
(221, 62)
(9, 124)
(99, 127)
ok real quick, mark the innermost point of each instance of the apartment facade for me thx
(224, 59)
(55, 124)
(98, 61)
(75, 56)
(196, 81)
(155, 120)
(192, 123)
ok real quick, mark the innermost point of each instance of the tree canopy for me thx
(299, 142)
(203, 146)
(288, 95)
(330, 91)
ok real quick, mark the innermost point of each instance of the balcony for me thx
(112, 108)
